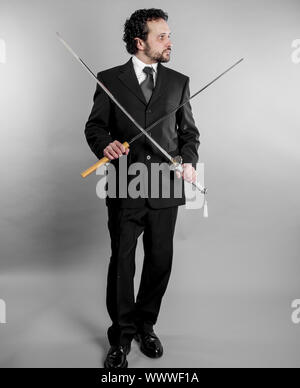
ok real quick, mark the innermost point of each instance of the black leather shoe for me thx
(116, 356)
(150, 344)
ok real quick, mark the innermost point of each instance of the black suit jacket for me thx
(178, 134)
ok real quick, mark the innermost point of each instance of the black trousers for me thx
(125, 226)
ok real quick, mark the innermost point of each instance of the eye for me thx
(163, 36)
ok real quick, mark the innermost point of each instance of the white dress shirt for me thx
(139, 65)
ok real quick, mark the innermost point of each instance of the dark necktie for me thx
(148, 84)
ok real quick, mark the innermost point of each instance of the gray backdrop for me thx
(240, 267)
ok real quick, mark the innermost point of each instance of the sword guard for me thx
(177, 163)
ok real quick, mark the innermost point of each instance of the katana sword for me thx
(175, 161)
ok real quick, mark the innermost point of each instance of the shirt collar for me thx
(139, 65)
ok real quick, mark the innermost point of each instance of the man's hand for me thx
(114, 150)
(189, 173)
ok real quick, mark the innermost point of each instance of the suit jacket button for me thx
(148, 157)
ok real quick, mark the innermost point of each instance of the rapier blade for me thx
(186, 101)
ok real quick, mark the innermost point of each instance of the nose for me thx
(169, 44)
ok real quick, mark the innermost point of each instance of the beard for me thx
(156, 56)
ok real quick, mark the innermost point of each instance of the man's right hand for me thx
(114, 150)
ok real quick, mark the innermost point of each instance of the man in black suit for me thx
(147, 90)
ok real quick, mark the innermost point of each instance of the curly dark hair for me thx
(136, 26)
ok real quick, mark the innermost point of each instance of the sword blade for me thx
(185, 102)
(142, 130)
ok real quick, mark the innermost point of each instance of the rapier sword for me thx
(174, 161)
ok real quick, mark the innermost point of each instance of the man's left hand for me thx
(189, 173)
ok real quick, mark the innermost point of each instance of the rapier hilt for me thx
(177, 164)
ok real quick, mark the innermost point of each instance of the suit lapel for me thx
(128, 77)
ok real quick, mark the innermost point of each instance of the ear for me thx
(139, 43)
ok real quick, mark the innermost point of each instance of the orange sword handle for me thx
(99, 163)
